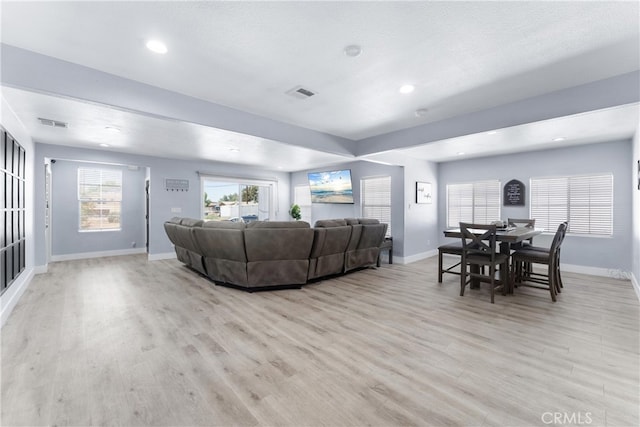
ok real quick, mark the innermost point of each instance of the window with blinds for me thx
(302, 198)
(375, 194)
(475, 202)
(586, 202)
(100, 199)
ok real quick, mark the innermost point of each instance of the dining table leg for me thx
(505, 248)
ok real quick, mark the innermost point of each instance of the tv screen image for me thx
(331, 187)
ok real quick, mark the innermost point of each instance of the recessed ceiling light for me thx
(558, 139)
(406, 88)
(421, 112)
(460, 153)
(353, 50)
(234, 149)
(112, 129)
(157, 46)
(492, 132)
(104, 145)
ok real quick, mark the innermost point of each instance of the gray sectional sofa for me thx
(272, 255)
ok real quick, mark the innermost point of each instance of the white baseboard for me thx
(636, 286)
(596, 271)
(40, 269)
(99, 254)
(12, 295)
(416, 257)
(158, 257)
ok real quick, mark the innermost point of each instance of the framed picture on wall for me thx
(638, 174)
(423, 192)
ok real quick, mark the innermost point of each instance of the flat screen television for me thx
(331, 186)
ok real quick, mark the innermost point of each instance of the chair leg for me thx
(439, 267)
(463, 277)
(492, 273)
(552, 281)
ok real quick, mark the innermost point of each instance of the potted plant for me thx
(295, 212)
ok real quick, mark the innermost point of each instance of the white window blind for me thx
(586, 202)
(100, 199)
(376, 199)
(475, 202)
(302, 198)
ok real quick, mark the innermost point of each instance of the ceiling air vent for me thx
(301, 92)
(53, 123)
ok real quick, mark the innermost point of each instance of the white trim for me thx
(595, 271)
(12, 295)
(158, 257)
(636, 285)
(416, 257)
(99, 254)
(41, 269)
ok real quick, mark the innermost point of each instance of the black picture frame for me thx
(638, 174)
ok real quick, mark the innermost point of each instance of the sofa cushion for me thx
(352, 221)
(225, 225)
(368, 221)
(191, 222)
(326, 223)
(278, 224)
(174, 220)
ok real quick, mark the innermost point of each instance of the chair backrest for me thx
(478, 239)
(522, 222)
(558, 237)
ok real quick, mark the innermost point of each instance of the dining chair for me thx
(522, 222)
(563, 230)
(527, 223)
(449, 249)
(479, 250)
(550, 257)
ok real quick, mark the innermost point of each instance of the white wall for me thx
(67, 241)
(635, 191)
(598, 255)
(359, 170)
(163, 204)
(12, 294)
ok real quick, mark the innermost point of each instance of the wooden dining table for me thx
(507, 237)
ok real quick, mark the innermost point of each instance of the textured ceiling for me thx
(461, 56)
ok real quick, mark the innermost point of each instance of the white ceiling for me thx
(461, 56)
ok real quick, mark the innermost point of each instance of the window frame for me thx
(82, 200)
(563, 207)
(475, 218)
(363, 200)
(305, 208)
(271, 184)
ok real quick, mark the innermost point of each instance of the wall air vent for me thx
(300, 92)
(53, 123)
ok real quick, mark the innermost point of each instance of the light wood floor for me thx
(123, 341)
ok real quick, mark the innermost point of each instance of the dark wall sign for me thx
(513, 193)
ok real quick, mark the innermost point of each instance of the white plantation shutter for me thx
(100, 199)
(586, 202)
(302, 198)
(486, 202)
(376, 199)
(549, 202)
(475, 202)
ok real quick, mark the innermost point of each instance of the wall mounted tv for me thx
(331, 187)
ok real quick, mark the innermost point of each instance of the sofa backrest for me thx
(278, 240)
(222, 240)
